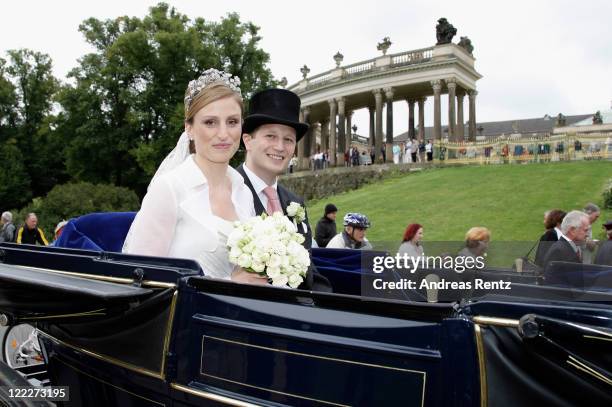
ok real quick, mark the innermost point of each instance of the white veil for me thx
(176, 157)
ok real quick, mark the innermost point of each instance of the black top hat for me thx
(275, 106)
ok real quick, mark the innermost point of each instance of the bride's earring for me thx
(192, 149)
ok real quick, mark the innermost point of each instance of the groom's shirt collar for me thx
(258, 185)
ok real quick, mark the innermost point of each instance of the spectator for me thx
(353, 235)
(7, 233)
(604, 254)
(414, 148)
(318, 160)
(429, 150)
(355, 157)
(574, 230)
(421, 151)
(30, 233)
(372, 155)
(552, 223)
(58, 231)
(411, 245)
(476, 242)
(408, 152)
(589, 245)
(293, 164)
(608, 228)
(326, 227)
(396, 154)
(364, 158)
(505, 153)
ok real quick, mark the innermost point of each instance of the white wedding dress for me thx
(176, 220)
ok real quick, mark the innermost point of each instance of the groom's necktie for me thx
(273, 201)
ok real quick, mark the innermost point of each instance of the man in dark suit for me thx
(270, 135)
(574, 229)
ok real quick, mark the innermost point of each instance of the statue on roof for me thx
(561, 121)
(384, 45)
(466, 44)
(445, 31)
(597, 119)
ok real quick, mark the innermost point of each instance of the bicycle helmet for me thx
(357, 220)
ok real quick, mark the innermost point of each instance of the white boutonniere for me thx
(297, 212)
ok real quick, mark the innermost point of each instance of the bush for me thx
(607, 195)
(72, 200)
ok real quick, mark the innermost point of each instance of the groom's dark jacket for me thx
(285, 197)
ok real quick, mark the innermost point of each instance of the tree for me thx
(14, 179)
(125, 111)
(8, 101)
(29, 84)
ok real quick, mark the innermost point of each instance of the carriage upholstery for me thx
(589, 277)
(105, 231)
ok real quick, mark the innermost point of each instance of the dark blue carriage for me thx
(129, 331)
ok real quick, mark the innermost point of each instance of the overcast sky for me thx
(536, 57)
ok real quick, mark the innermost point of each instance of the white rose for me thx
(249, 247)
(284, 237)
(279, 248)
(295, 280)
(298, 238)
(273, 272)
(244, 261)
(285, 262)
(258, 267)
(275, 261)
(293, 208)
(280, 281)
(265, 257)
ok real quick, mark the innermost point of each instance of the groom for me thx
(270, 134)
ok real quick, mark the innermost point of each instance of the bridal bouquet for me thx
(270, 246)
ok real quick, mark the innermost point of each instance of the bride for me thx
(195, 196)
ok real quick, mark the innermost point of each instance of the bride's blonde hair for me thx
(211, 93)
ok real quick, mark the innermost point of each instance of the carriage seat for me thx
(344, 268)
(589, 277)
(103, 231)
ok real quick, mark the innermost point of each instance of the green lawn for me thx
(508, 199)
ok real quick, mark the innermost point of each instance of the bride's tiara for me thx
(209, 76)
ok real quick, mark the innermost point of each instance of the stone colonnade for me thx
(338, 141)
